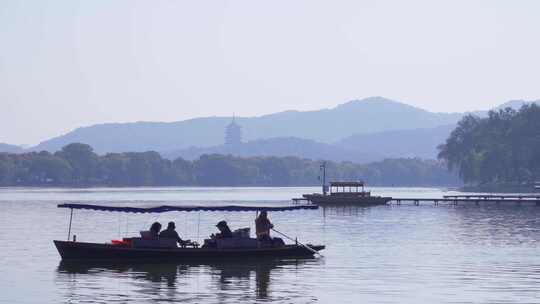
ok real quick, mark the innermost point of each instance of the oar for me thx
(296, 241)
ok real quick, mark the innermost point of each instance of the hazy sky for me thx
(65, 64)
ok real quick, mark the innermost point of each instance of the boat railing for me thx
(349, 193)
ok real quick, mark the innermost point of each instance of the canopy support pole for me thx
(198, 223)
(70, 220)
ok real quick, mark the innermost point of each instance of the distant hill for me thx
(368, 115)
(375, 114)
(399, 143)
(280, 147)
(143, 136)
(10, 148)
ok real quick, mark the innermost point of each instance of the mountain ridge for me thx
(327, 126)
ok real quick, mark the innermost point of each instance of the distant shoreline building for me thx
(233, 133)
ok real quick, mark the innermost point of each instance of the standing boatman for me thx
(262, 227)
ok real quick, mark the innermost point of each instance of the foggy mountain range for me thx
(359, 148)
(11, 148)
(361, 131)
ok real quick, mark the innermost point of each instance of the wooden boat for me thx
(348, 195)
(94, 251)
(137, 249)
(344, 193)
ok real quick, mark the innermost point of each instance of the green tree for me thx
(82, 160)
(501, 148)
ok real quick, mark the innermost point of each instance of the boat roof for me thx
(166, 208)
(347, 184)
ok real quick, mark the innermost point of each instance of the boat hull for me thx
(80, 251)
(347, 200)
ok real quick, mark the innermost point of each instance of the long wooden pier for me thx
(496, 196)
(458, 199)
(455, 200)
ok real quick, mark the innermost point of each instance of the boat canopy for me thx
(161, 209)
(347, 184)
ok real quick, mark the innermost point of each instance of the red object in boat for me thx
(124, 242)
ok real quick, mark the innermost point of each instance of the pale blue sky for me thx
(65, 64)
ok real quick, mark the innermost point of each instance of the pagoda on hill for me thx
(233, 133)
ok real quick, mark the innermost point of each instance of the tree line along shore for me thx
(77, 165)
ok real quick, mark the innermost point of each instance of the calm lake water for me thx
(386, 254)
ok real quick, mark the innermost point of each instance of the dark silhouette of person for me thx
(154, 230)
(224, 230)
(170, 233)
(263, 226)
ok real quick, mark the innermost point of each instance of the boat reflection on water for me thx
(347, 210)
(225, 279)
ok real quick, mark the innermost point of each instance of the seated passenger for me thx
(154, 230)
(224, 231)
(170, 233)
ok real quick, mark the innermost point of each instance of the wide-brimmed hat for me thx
(221, 224)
